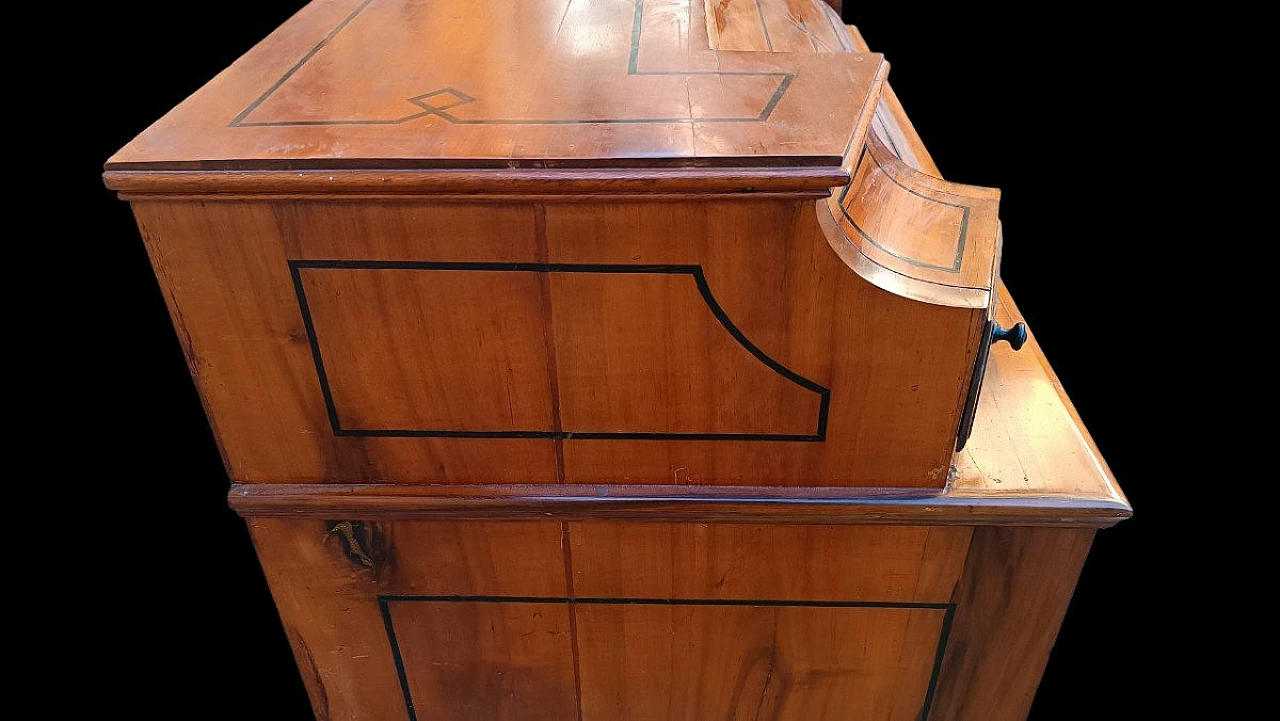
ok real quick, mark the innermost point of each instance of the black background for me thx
(1045, 106)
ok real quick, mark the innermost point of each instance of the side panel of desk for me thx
(632, 621)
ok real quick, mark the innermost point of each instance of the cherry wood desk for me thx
(443, 541)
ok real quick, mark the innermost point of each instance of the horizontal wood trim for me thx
(584, 198)
(736, 504)
(507, 181)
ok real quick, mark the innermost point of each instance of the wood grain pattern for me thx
(744, 663)
(1010, 603)
(1030, 461)
(449, 350)
(916, 225)
(232, 298)
(623, 345)
(583, 82)
(816, 333)
(327, 592)
(491, 660)
(483, 185)
(789, 366)
(786, 563)
(775, 26)
(442, 272)
(427, 318)
(477, 620)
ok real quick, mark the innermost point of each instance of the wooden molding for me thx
(573, 182)
(667, 503)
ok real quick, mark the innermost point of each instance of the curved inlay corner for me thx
(329, 337)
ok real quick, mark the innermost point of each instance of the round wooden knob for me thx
(1015, 336)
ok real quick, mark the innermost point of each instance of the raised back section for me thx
(895, 224)
(590, 241)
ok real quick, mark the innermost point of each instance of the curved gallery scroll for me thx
(914, 234)
(535, 350)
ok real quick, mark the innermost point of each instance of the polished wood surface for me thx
(1009, 605)
(1030, 460)
(915, 564)
(457, 83)
(486, 660)
(640, 328)
(597, 420)
(533, 621)
(518, 620)
(712, 342)
(785, 26)
(485, 185)
(743, 663)
(326, 579)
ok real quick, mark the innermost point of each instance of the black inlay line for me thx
(486, 265)
(911, 190)
(694, 271)
(737, 334)
(837, 26)
(960, 241)
(384, 606)
(944, 634)
(637, 26)
(595, 435)
(764, 26)
(600, 601)
(309, 325)
(298, 66)
(633, 59)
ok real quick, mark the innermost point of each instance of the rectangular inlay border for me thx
(385, 601)
(693, 271)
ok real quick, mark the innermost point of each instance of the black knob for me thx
(1015, 336)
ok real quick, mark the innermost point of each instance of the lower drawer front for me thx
(534, 621)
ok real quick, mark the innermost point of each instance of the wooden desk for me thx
(443, 549)
(983, 573)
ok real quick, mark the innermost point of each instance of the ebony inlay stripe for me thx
(694, 271)
(441, 111)
(754, 602)
(947, 609)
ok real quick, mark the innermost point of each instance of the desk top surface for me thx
(382, 84)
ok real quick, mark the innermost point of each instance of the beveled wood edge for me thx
(723, 504)
(1114, 493)
(595, 197)
(463, 183)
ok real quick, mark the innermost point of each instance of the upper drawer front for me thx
(890, 564)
